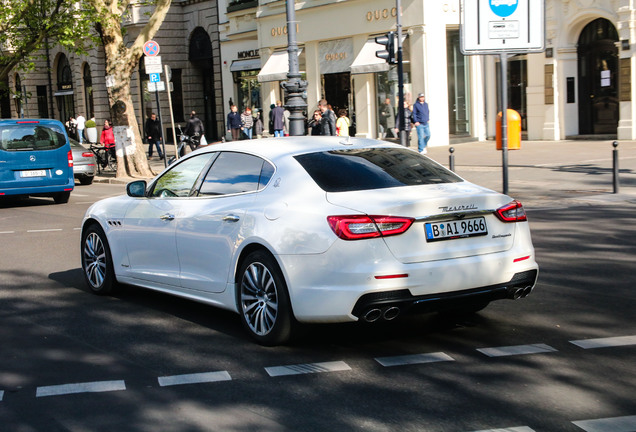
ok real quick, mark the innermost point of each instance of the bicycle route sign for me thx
(497, 26)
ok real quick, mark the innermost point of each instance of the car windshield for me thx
(375, 168)
(30, 136)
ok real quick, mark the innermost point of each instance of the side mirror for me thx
(136, 189)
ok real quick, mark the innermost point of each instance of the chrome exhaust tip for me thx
(391, 313)
(372, 315)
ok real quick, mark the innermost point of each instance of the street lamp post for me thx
(294, 86)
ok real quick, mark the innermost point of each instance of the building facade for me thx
(229, 52)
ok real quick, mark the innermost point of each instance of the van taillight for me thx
(70, 158)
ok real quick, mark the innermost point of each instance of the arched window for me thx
(88, 91)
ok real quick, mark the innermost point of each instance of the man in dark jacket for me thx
(278, 117)
(328, 121)
(153, 133)
(420, 121)
(195, 130)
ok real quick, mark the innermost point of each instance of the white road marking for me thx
(91, 387)
(45, 230)
(516, 350)
(335, 366)
(613, 424)
(414, 359)
(510, 429)
(7, 232)
(1, 395)
(197, 378)
(605, 342)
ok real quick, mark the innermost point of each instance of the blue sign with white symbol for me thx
(503, 8)
(154, 77)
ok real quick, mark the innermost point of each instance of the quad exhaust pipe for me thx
(516, 293)
(387, 314)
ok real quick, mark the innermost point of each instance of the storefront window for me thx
(458, 86)
(249, 89)
(387, 98)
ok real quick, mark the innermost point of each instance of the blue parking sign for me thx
(155, 77)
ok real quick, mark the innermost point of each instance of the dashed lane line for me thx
(612, 424)
(605, 342)
(90, 387)
(510, 429)
(198, 378)
(308, 368)
(7, 232)
(45, 230)
(516, 350)
(414, 359)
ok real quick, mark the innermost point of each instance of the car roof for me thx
(275, 148)
(32, 120)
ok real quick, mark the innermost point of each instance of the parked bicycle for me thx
(105, 157)
(184, 140)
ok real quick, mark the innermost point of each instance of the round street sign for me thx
(503, 8)
(151, 48)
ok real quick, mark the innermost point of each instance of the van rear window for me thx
(30, 137)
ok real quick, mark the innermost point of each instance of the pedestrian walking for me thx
(258, 124)
(247, 122)
(107, 139)
(278, 118)
(71, 128)
(81, 125)
(328, 120)
(405, 114)
(314, 124)
(343, 123)
(387, 119)
(234, 123)
(420, 121)
(153, 133)
(195, 130)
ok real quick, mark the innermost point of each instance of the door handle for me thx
(167, 217)
(231, 218)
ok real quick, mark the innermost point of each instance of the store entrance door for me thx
(337, 91)
(598, 78)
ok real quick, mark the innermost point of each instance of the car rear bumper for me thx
(39, 190)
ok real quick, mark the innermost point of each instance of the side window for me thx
(234, 173)
(179, 181)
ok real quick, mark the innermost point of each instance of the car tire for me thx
(86, 180)
(61, 197)
(263, 301)
(97, 261)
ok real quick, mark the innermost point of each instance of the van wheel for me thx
(61, 197)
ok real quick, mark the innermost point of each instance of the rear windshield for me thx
(31, 136)
(378, 168)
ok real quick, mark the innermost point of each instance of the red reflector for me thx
(521, 259)
(395, 276)
(68, 189)
(29, 121)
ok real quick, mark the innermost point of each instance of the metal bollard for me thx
(615, 166)
(451, 159)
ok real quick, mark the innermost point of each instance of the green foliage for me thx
(90, 124)
(26, 25)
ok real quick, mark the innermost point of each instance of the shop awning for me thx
(276, 67)
(367, 62)
(245, 65)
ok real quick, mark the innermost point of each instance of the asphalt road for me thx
(563, 359)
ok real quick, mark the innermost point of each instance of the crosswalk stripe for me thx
(510, 429)
(414, 359)
(197, 378)
(605, 342)
(307, 368)
(91, 387)
(610, 424)
(516, 350)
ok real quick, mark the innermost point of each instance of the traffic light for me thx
(388, 54)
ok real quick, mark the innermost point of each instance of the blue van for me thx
(35, 159)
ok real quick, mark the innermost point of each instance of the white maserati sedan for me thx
(311, 229)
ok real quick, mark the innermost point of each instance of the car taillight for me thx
(70, 158)
(513, 212)
(87, 154)
(357, 227)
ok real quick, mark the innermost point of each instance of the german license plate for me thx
(33, 173)
(450, 230)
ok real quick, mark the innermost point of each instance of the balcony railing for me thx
(237, 5)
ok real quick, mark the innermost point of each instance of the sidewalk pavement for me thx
(542, 174)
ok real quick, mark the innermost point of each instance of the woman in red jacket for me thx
(108, 140)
